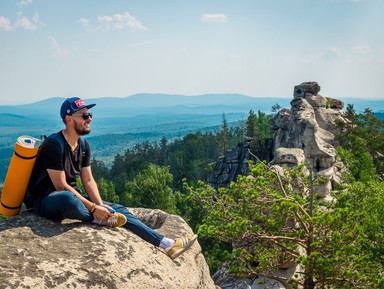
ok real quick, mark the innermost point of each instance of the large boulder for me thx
(39, 253)
(306, 88)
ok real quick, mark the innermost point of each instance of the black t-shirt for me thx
(52, 156)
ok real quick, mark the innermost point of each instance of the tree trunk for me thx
(309, 283)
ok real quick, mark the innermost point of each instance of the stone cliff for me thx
(38, 253)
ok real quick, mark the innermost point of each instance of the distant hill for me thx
(380, 115)
(146, 103)
(119, 123)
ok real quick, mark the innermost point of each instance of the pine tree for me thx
(271, 221)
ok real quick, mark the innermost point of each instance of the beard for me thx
(81, 130)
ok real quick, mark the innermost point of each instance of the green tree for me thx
(223, 136)
(151, 189)
(263, 125)
(361, 134)
(190, 157)
(368, 199)
(372, 131)
(271, 221)
(258, 126)
(99, 169)
(259, 131)
(358, 161)
(118, 173)
(251, 124)
(352, 116)
(276, 107)
(107, 191)
(163, 151)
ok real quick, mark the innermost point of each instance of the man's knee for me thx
(67, 198)
(71, 207)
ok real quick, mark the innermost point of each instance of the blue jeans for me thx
(64, 204)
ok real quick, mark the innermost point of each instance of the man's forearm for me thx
(93, 192)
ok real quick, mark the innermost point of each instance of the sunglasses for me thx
(85, 115)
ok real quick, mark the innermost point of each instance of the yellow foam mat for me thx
(18, 174)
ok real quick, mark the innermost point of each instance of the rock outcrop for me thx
(309, 126)
(304, 133)
(38, 253)
(228, 281)
(229, 166)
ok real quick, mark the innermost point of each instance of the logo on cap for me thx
(79, 102)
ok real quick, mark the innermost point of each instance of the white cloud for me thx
(331, 53)
(214, 18)
(361, 50)
(84, 22)
(120, 21)
(23, 3)
(353, 54)
(22, 22)
(25, 23)
(117, 21)
(5, 24)
(58, 50)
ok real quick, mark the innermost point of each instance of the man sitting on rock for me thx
(53, 192)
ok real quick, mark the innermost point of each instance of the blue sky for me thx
(95, 48)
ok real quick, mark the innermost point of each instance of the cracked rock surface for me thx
(39, 253)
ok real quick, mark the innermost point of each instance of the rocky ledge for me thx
(38, 253)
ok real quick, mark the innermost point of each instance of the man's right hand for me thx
(101, 213)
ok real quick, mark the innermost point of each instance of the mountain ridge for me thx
(151, 103)
(133, 119)
(159, 103)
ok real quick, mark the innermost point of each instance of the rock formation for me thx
(309, 126)
(229, 166)
(304, 133)
(38, 253)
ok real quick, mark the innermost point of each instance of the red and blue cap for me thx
(73, 104)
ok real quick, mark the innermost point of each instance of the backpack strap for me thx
(56, 136)
(82, 146)
(59, 138)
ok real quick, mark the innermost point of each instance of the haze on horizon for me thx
(260, 48)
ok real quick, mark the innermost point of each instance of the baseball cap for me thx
(73, 104)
